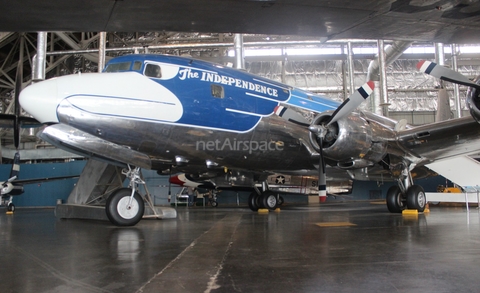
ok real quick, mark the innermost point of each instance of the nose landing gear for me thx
(125, 207)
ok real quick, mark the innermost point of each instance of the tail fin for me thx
(15, 166)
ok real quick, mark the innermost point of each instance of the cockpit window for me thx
(137, 65)
(116, 67)
(153, 70)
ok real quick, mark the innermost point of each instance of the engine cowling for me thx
(352, 141)
(473, 101)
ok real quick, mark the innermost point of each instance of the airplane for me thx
(14, 186)
(9, 188)
(157, 111)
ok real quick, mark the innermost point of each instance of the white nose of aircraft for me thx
(40, 100)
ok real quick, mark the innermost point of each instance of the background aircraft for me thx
(14, 186)
(153, 111)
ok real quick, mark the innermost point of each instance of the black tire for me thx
(117, 211)
(395, 200)
(11, 207)
(269, 200)
(214, 204)
(280, 200)
(253, 201)
(416, 198)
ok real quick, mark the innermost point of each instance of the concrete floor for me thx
(356, 247)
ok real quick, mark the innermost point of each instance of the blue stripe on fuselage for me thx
(308, 101)
(246, 97)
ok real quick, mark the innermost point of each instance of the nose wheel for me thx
(125, 207)
(7, 202)
(10, 207)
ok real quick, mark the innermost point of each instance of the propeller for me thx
(321, 130)
(6, 120)
(444, 73)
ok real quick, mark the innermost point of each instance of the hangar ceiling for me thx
(316, 70)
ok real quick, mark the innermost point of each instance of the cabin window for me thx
(137, 65)
(153, 70)
(116, 67)
(217, 91)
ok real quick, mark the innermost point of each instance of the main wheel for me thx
(416, 198)
(253, 201)
(395, 200)
(214, 204)
(119, 209)
(269, 200)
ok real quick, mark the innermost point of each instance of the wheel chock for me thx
(277, 210)
(409, 212)
(263, 211)
(9, 213)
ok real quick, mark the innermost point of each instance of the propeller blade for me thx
(170, 182)
(319, 131)
(322, 177)
(352, 102)
(18, 89)
(444, 73)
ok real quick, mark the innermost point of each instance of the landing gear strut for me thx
(125, 207)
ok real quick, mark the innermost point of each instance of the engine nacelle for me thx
(352, 141)
(473, 101)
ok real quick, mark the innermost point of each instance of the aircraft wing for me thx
(40, 180)
(447, 21)
(441, 140)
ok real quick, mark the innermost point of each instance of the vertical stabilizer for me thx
(15, 166)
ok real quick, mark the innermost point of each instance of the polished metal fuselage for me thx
(272, 145)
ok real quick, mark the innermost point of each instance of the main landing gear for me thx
(406, 195)
(265, 199)
(125, 207)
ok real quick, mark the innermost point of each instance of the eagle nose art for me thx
(40, 100)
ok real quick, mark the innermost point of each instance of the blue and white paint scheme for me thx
(235, 99)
